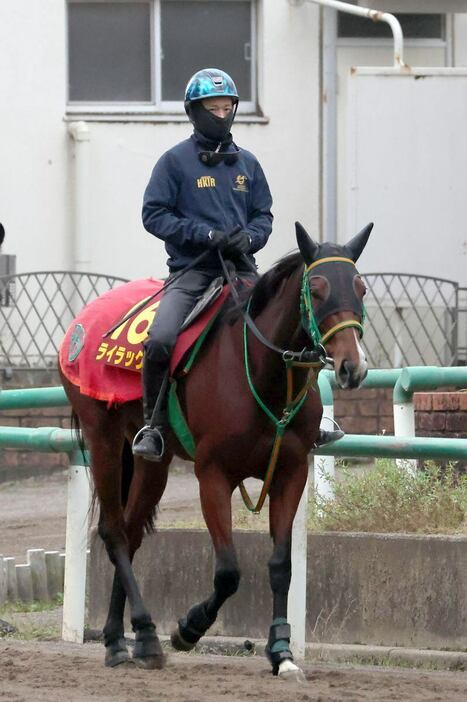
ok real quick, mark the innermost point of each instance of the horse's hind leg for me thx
(284, 497)
(215, 495)
(147, 487)
(104, 437)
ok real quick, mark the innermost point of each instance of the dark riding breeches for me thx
(177, 302)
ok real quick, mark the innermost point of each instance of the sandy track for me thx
(33, 511)
(54, 671)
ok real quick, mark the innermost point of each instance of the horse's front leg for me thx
(284, 498)
(215, 495)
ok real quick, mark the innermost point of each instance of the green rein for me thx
(293, 404)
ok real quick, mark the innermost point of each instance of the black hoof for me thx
(179, 643)
(147, 652)
(116, 653)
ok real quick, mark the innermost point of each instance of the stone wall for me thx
(382, 589)
(365, 411)
(441, 414)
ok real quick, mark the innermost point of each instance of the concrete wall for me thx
(362, 588)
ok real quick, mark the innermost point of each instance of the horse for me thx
(305, 311)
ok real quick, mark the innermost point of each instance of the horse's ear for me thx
(356, 245)
(307, 246)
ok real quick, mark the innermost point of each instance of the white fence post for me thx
(296, 605)
(404, 421)
(76, 546)
(324, 466)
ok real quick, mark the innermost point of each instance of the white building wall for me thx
(37, 153)
(36, 174)
(34, 192)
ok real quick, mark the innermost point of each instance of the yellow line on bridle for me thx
(329, 259)
(339, 326)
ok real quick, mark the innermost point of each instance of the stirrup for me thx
(149, 443)
(328, 437)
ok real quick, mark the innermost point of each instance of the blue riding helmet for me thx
(210, 82)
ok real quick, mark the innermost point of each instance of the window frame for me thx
(429, 42)
(158, 107)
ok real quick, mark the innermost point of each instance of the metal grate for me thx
(411, 320)
(40, 308)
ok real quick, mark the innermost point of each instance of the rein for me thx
(313, 360)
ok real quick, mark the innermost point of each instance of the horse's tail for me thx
(76, 428)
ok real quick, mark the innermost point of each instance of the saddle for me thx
(108, 368)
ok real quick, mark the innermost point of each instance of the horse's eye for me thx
(319, 288)
(315, 293)
(359, 286)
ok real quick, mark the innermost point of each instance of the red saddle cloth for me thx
(109, 369)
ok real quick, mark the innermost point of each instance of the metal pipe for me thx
(376, 378)
(427, 378)
(397, 447)
(44, 439)
(64, 440)
(33, 398)
(376, 16)
(79, 132)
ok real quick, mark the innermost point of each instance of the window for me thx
(416, 26)
(139, 55)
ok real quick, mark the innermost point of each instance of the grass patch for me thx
(28, 607)
(392, 499)
(36, 633)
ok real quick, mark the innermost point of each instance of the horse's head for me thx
(336, 294)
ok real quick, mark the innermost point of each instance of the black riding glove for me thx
(237, 245)
(217, 240)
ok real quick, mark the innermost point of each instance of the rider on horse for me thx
(204, 194)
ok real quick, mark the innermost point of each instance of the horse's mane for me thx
(265, 287)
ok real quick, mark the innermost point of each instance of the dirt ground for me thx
(33, 511)
(54, 671)
(32, 515)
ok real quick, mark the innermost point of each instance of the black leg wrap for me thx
(195, 624)
(278, 646)
(116, 653)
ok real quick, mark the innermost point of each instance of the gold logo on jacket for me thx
(241, 184)
(206, 182)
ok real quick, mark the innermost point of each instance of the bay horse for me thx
(307, 309)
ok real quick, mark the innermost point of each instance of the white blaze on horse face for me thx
(362, 365)
(351, 373)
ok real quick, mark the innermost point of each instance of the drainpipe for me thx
(329, 98)
(375, 15)
(81, 246)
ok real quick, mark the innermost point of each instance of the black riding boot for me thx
(149, 442)
(327, 437)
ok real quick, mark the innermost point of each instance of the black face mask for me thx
(211, 126)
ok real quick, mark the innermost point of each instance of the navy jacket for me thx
(185, 199)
